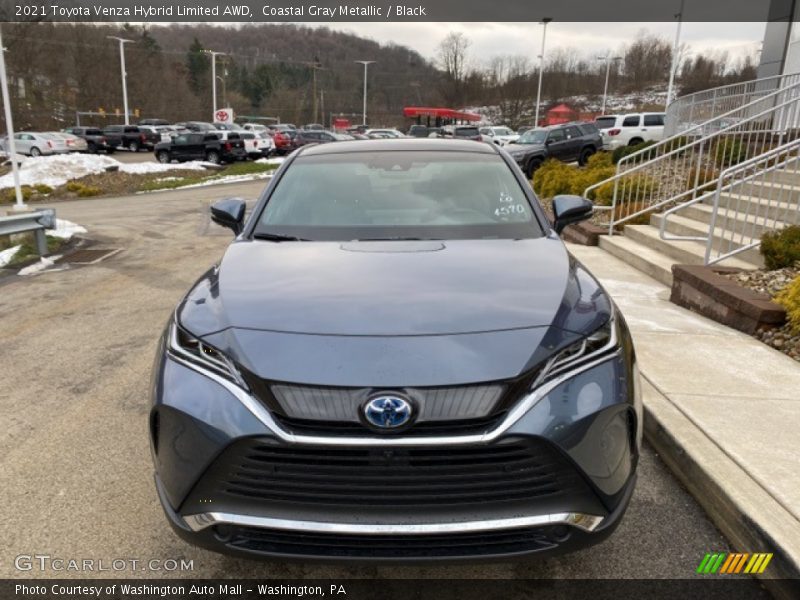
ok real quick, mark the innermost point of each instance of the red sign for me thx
(221, 116)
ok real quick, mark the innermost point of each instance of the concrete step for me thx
(650, 262)
(682, 252)
(788, 176)
(680, 225)
(754, 225)
(769, 190)
(763, 207)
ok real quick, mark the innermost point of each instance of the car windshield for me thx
(533, 136)
(398, 195)
(605, 122)
(466, 131)
(503, 131)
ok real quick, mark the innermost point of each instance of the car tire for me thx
(163, 157)
(584, 156)
(635, 141)
(212, 156)
(35, 152)
(133, 146)
(531, 167)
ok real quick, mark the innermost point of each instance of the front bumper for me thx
(231, 480)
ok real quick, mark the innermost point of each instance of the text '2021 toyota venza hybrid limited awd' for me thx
(396, 359)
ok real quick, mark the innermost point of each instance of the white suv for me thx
(499, 135)
(630, 129)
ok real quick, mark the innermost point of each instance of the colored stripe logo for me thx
(734, 563)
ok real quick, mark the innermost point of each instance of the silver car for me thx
(73, 142)
(36, 144)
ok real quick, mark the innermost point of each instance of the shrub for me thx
(789, 298)
(41, 188)
(729, 152)
(554, 177)
(637, 187)
(706, 179)
(74, 186)
(623, 151)
(88, 190)
(623, 210)
(781, 248)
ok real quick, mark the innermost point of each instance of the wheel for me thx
(212, 156)
(133, 146)
(163, 157)
(584, 157)
(531, 167)
(635, 142)
(92, 149)
(35, 152)
(110, 150)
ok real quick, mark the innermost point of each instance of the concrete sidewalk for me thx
(723, 410)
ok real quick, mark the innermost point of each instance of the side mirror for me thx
(229, 213)
(570, 209)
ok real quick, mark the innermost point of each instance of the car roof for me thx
(405, 144)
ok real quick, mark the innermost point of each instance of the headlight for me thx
(600, 342)
(201, 355)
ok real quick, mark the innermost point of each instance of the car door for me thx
(23, 143)
(653, 127)
(572, 148)
(558, 145)
(631, 126)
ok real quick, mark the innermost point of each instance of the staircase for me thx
(719, 220)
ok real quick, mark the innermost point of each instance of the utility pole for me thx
(674, 66)
(214, 80)
(608, 58)
(122, 42)
(544, 22)
(366, 63)
(12, 148)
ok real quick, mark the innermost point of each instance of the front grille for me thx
(514, 470)
(270, 541)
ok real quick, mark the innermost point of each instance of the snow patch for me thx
(8, 254)
(65, 229)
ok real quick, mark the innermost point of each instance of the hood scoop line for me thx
(393, 246)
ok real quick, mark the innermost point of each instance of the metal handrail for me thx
(748, 124)
(718, 189)
(709, 103)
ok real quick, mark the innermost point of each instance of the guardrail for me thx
(36, 222)
(758, 201)
(678, 169)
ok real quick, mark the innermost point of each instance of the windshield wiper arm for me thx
(277, 237)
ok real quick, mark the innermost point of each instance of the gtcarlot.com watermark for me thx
(49, 563)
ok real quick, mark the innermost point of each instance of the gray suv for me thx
(569, 142)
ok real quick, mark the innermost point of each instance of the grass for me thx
(27, 250)
(234, 170)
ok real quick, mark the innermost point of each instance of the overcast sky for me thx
(591, 39)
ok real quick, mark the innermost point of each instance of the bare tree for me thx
(452, 55)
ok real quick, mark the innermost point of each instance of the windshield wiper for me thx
(277, 237)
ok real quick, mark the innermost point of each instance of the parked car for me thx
(419, 131)
(630, 129)
(200, 126)
(384, 133)
(266, 143)
(228, 127)
(153, 122)
(32, 143)
(167, 132)
(465, 132)
(335, 387)
(314, 127)
(73, 142)
(131, 137)
(498, 135)
(254, 127)
(319, 137)
(253, 145)
(95, 140)
(568, 142)
(201, 146)
(285, 141)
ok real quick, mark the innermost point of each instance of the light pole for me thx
(224, 94)
(214, 80)
(12, 148)
(608, 58)
(674, 66)
(544, 22)
(122, 42)
(364, 112)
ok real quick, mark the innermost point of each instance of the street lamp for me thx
(224, 94)
(122, 42)
(365, 63)
(544, 22)
(12, 148)
(608, 58)
(214, 80)
(674, 66)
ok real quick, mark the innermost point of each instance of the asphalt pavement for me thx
(77, 348)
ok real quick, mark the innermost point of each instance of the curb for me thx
(744, 511)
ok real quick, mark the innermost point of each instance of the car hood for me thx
(522, 148)
(435, 313)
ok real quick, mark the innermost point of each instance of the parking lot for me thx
(75, 402)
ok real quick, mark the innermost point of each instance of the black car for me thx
(396, 359)
(463, 132)
(197, 126)
(314, 136)
(569, 142)
(131, 137)
(201, 146)
(95, 138)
